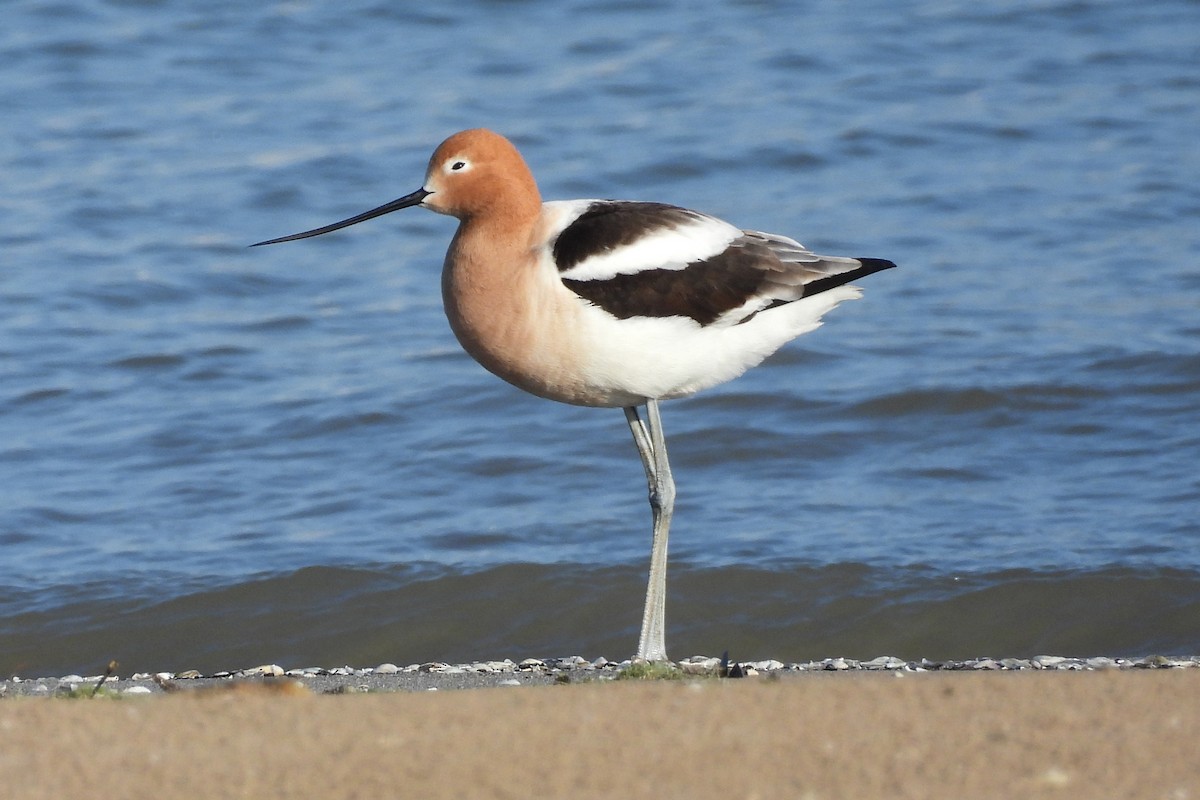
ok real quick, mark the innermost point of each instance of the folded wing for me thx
(654, 260)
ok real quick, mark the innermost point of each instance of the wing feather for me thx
(655, 260)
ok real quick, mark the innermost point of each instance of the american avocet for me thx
(612, 303)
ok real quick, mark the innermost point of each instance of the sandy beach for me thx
(1129, 734)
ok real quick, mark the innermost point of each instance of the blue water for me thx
(282, 454)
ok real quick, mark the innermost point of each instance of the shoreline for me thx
(545, 672)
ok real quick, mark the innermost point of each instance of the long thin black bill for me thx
(403, 202)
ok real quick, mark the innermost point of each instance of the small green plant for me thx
(98, 690)
(650, 671)
(87, 692)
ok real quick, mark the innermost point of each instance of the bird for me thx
(612, 303)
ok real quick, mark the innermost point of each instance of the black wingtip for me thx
(869, 267)
(873, 265)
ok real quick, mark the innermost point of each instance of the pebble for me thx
(1055, 778)
(137, 690)
(1162, 662)
(1042, 662)
(885, 662)
(347, 689)
(266, 670)
(387, 669)
(434, 666)
(699, 665)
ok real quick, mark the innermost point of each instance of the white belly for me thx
(623, 362)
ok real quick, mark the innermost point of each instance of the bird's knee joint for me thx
(662, 497)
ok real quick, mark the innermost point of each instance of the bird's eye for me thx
(458, 165)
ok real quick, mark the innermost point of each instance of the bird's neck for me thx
(499, 300)
(485, 281)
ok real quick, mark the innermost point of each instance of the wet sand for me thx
(1064, 734)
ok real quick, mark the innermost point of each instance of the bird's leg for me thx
(642, 439)
(652, 447)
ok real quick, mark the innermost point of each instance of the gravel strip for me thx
(437, 676)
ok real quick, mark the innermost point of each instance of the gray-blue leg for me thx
(652, 447)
